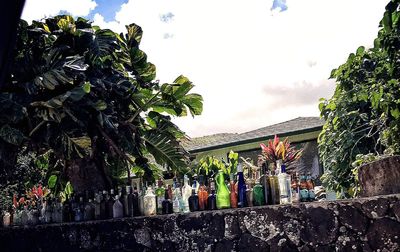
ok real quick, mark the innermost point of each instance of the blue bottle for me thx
(242, 201)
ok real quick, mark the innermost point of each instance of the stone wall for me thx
(369, 224)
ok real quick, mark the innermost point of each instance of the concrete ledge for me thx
(366, 224)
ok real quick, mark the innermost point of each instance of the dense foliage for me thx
(363, 116)
(89, 97)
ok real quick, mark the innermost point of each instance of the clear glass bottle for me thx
(295, 186)
(118, 208)
(242, 200)
(249, 195)
(203, 194)
(89, 211)
(303, 189)
(284, 186)
(78, 210)
(160, 192)
(186, 193)
(195, 183)
(128, 199)
(149, 203)
(176, 204)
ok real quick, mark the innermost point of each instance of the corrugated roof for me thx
(291, 126)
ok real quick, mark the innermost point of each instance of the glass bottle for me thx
(242, 201)
(274, 188)
(160, 193)
(195, 183)
(149, 203)
(110, 204)
(89, 211)
(284, 186)
(103, 206)
(97, 207)
(233, 192)
(295, 188)
(141, 200)
(265, 184)
(135, 205)
(212, 198)
(48, 211)
(186, 193)
(129, 201)
(167, 207)
(303, 189)
(124, 201)
(176, 203)
(223, 195)
(249, 195)
(78, 210)
(258, 194)
(118, 208)
(58, 211)
(66, 210)
(6, 219)
(203, 194)
(310, 187)
(194, 200)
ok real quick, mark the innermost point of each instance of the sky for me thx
(255, 62)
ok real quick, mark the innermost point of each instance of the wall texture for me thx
(365, 224)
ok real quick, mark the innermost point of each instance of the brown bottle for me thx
(233, 194)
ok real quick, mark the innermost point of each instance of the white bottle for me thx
(284, 186)
(149, 202)
(175, 203)
(186, 193)
(118, 208)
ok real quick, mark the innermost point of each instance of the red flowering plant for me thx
(18, 204)
(36, 195)
(279, 150)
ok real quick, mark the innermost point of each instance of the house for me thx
(302, 132)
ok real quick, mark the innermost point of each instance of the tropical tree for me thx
(89, 96)
(363, 116)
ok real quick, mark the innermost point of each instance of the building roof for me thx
(299, 124)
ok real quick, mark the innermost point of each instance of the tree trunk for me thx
(84, 174)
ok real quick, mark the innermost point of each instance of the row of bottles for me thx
(273, 187)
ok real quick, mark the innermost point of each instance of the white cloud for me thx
(38, 9)
(236, 50)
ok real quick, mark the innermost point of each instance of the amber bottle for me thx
(203, 194)
(233, 194)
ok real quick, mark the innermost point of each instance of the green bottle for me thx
(258, 195)
(223, 194)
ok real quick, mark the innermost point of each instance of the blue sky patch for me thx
(107, 8)
(279, 5)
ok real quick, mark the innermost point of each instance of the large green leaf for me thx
(11, 135)
(165, 149)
